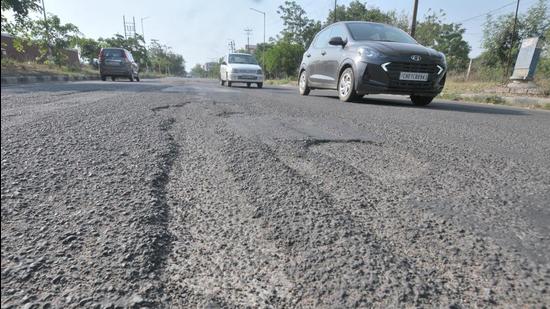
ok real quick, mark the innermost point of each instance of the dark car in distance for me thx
(117, 62)
(358, 58)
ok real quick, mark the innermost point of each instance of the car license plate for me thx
(248, 77)
(421, 77)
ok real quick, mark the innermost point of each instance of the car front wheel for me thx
(260, 85)
(303, 87)
(346, 86)
(420, 100)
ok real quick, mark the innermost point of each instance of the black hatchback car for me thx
(358, 58)
(117, 62)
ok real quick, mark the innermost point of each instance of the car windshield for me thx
(378, 32)
(244, 59)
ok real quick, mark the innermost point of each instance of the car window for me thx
(244, 59)
(339, 30)
(113, 53)
(322, 39)
(378, 32)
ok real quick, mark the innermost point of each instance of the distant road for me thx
(183, 193)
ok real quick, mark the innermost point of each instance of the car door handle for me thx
(323, 53)
(308, 55)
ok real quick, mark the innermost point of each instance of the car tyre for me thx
(302, 84)
(260, 85)
(103, 77)
(421, 100)
(222, 82)
(346, 86)
(228, 84)
(248, 85)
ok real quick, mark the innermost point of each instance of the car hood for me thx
(399, 49)
(241, 66)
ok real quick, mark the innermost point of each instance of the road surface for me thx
(180, 192)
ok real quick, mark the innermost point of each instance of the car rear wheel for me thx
(303, 87)
(346, 86)
(113, 78)
(103, 77)
(420, 100)
(248, 85)
(260, 85)
(228, 84)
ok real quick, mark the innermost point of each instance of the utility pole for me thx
(124, 22)
(413, 25)
(334, 17)
(49, 54)
(263, 54)
(143, 31)
(248, 32)
(511, 43)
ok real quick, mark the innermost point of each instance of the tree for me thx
(498, 33)
(164, 60)
(89, 49)
(20, 10)
(357, 10)
(298, 28)
(446, 38)
(58, 37)
(198, 71)
(283, 59)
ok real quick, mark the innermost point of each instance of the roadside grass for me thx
(16, 68)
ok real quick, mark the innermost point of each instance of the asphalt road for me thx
(183, 193)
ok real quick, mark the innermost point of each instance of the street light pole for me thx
(263, 13)
(511, 44)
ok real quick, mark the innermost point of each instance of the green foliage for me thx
(52, 34)
(357, 10)
(165, 61)
(298, 28)
(198, 71)
(20, 10)
(283, 59)
(89, 49)
(499, 38)
(446, 38)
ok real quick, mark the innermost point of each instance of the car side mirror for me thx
(224, 63)
(337, 41)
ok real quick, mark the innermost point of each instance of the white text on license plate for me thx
(421, 77)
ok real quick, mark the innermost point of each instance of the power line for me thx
(487, 13)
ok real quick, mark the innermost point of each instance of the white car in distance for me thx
(241, 68)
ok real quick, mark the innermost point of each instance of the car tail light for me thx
(101, 56)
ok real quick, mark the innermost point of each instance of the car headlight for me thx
(367, 52)
(443, 58)
(259, 72)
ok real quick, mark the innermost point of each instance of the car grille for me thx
(396, 67)
(246, 71)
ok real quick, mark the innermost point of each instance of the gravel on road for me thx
(182, 193)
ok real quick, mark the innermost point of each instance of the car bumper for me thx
(374, 78)
(116, 71)
(245, 78)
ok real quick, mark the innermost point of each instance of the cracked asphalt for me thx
(182, 193)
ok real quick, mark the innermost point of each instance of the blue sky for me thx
(200, 30)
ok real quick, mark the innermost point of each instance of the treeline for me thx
(282, 55)
(52, 37)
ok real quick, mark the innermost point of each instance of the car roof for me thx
(240, 54)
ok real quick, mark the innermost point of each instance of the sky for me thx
(201, 30)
